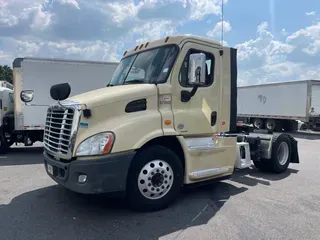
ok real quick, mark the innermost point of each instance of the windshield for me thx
(152, 66)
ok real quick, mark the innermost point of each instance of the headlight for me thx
(98, 144)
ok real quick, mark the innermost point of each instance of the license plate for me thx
(50, 169)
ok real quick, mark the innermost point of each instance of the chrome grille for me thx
(58, 129)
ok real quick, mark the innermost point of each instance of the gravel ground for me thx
(252, 205)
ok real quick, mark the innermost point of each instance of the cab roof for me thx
(175, 39)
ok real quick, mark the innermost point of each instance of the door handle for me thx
(213, 118)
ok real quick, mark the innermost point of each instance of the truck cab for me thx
(6, 115)
(166, 119)
(6, 101)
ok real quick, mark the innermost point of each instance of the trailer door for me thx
(315, 100)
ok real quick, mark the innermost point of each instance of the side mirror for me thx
(26, 96)
(196, 75)
(197, 69)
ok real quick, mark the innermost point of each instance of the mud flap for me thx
(294, 147)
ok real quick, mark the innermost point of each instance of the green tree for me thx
(6, 73)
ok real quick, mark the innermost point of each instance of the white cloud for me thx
(266, 59)
(153, 30)
(216, 31)
(200, 8)
(308, 39)
(311, 13)
(262, 27)
(284, 32)
(96, 29)
(100, 29)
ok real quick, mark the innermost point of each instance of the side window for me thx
(11, 97)
(183, 74)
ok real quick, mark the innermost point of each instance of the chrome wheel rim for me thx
(155, 179)
(283, 153)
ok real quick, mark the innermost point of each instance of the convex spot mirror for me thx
(60, 91)
(26, 95)
(197, 69)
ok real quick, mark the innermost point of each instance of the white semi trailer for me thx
(32, 78)
(277, 106)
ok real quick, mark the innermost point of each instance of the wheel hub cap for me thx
(155, 179)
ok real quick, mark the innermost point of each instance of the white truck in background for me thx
(6, 84)
(278, 106)
(32, 78)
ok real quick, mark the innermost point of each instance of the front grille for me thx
(58, 129)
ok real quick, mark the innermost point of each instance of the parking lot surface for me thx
(252, 205)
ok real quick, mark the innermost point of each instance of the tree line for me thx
(6, 73)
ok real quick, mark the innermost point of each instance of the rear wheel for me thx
(262, 165)
(280, 156)
(281, 153)
(258, 123)
(270, 125)
(154, 180)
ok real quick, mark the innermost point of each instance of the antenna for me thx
(222, 2)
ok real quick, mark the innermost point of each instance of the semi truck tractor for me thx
(279, 106)
(32, 79)
(147, 135)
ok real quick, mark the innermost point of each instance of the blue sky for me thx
(277, 40)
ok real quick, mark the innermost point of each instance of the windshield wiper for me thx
(134, 81)
(110, 85)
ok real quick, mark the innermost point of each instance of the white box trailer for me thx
(277, 106)
(26, 123)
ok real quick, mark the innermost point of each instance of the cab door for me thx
(200, 115)
(198, 119)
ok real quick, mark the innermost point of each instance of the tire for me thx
(152, 171)
(270, 125)
(281, 144)
(258, 123)
(262, 165)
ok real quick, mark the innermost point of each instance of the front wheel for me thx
(154, 180)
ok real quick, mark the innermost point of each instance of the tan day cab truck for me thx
(166, 119)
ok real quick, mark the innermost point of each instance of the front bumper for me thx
(105, 175)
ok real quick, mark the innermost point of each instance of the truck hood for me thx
(113, 94)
